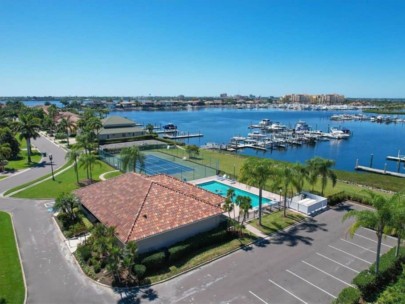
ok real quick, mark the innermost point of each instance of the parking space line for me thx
(354, 244)
(385, 235)
(343, 265)
(332, 276)
(258, 297)
(289, 271)
(365, 261)
(373, 240)
(288, 291)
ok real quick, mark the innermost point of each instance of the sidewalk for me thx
(255, 231)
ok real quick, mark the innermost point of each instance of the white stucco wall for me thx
(168, 238)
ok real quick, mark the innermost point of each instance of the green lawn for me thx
(276, 221)
(65, 182)
(12, 288)
(21, 162)
(231, 163)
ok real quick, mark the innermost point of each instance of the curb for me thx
(36, 183)
(19, 256)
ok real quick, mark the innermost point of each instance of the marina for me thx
(220, 125)
(278, 136)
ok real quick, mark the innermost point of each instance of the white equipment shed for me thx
(308, 203)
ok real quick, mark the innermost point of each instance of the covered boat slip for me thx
(308, 203)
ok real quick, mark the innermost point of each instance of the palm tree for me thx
(285, 178)
(28, 127)
(66, 202)
(256, 172)
(67, 126)
(87, 141)
(87, 161)
(130, 157)
(397, 223)
(113, 261)
(73, 155)
(321, 167)
(377, 219)
(228, 205)
(149, 128)
(244, 203)
(130, 255)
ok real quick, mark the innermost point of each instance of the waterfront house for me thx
(154, 211)
(116, 127)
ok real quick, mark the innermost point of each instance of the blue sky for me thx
(170, 47)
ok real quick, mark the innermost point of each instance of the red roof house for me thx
(155, 211)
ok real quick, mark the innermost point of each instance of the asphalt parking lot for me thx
(322, 275)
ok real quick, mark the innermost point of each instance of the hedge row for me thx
(369, 284)
(349, 295)
(342, 196)
(167, 257)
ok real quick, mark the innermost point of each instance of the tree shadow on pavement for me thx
(342, 207)
(292, 237)
(136, 295)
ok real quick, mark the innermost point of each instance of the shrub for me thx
(395, 293)
(178, 252)
(370, 284)
(60, 136)
(84, 251)
(155, 261)
(97, 267)
(366, 281)
(349, 295)
(140, 271)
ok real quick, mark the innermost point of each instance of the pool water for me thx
(221, 189)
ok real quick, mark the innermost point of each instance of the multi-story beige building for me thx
(314, 99)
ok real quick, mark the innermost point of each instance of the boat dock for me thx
(396, 158)
(379, 171)
(182, 135)
(165, 131)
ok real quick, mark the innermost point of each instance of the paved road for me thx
(51, 273)
(44, 145)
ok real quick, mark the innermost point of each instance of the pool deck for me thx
(266, 194)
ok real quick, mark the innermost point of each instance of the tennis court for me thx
(156, 165)
(161, 163)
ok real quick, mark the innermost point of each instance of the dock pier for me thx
(379, 171)
(182, 135)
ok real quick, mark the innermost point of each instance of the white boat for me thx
(301, 126)
(276, 127)
(336, 133)
(256, 135)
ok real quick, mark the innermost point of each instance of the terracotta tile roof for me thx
(140, 206)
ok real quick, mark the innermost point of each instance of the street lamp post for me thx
(279, 202)
(50, 159)
(234, 175)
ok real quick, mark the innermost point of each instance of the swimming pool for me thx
(221, 189)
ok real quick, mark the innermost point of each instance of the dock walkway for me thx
(379, 171)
